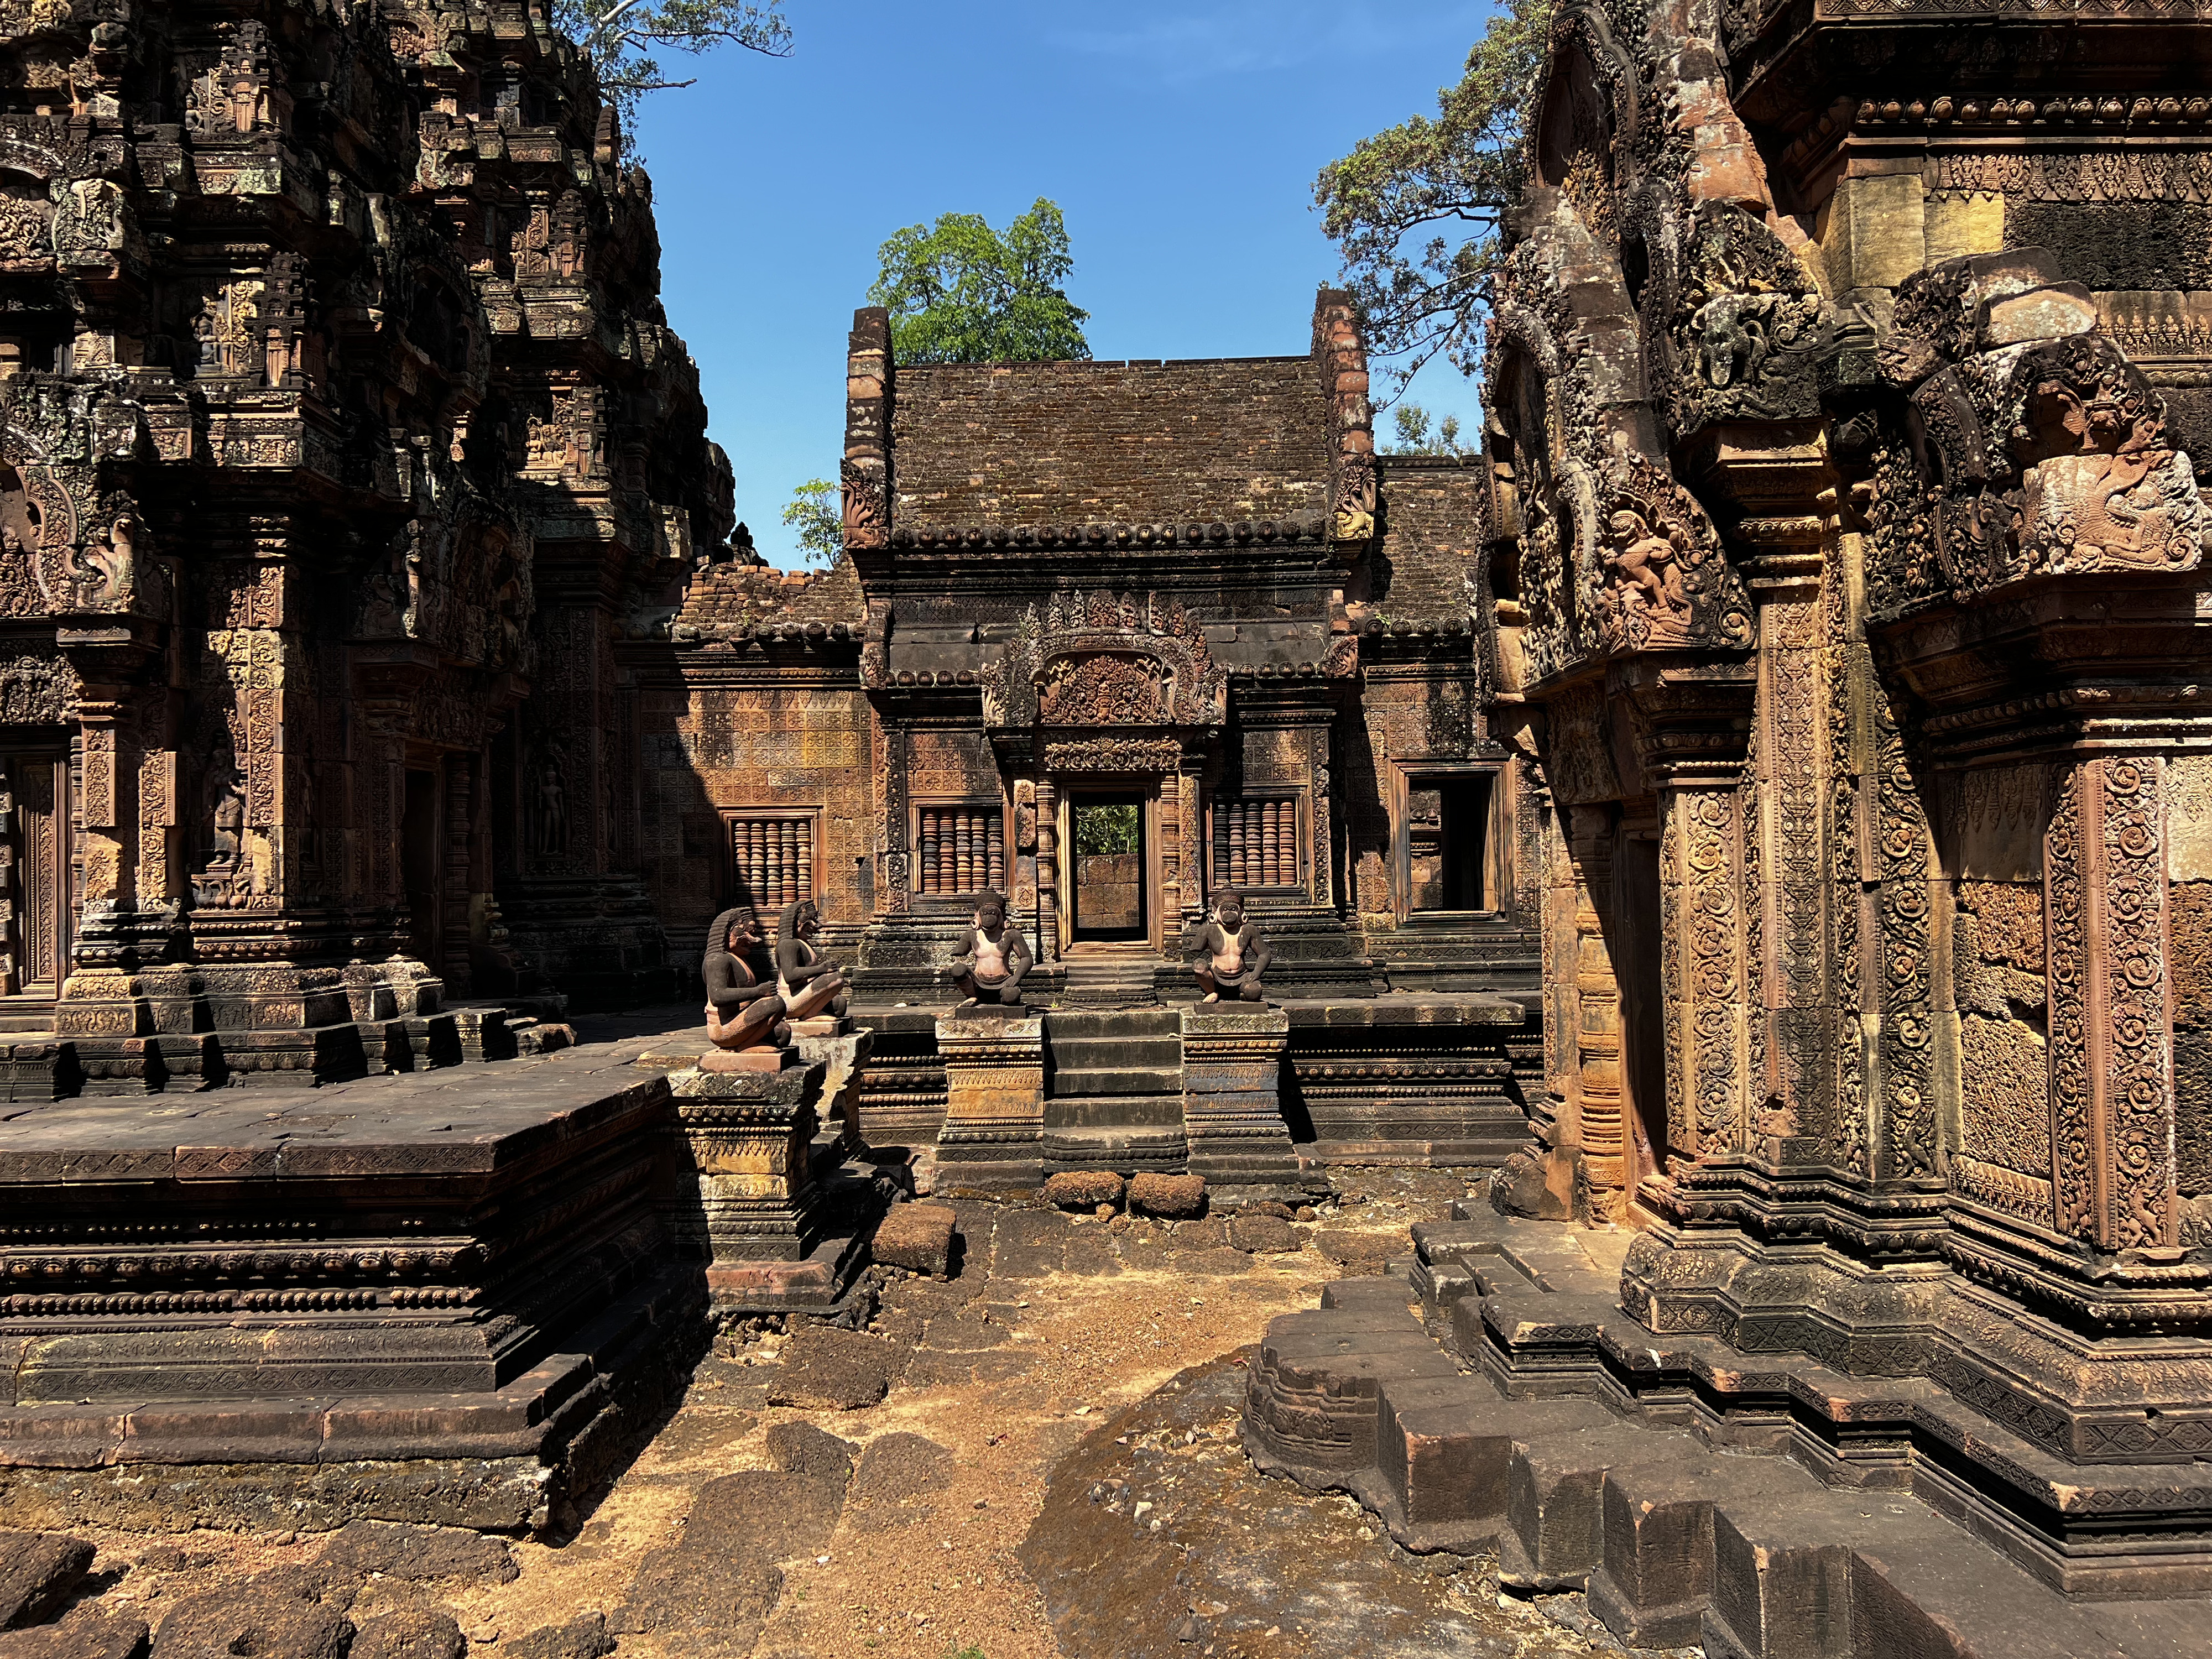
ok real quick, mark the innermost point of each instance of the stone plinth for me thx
(1407, 1080)
(747, 1139)
(1232, 1061)
(746, 1199)
(993, 1133)
(457, 1285)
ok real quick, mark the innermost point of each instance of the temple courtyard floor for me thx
(1038, 1453)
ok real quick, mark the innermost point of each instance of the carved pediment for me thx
(1106, 689)
(1106, 660)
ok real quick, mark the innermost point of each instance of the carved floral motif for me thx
(1103, 658)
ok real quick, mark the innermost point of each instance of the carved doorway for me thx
(420, 864)
(40, 904)
(1107, 847)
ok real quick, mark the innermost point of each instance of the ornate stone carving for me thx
(1101, 659)
(1749, 325)
(1664, 581)
(1112, 754)
(2037, 449)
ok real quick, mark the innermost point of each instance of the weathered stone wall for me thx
(322, 485)
(1083, 442)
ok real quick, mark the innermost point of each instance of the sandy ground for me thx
(1054, 1327)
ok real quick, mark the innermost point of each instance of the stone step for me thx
(1589, 1475)
(1110, 1111)
(1123, 1149)
(1101, 1081)
(1118, 1053)
(1150, 1022)
(1853, 1575)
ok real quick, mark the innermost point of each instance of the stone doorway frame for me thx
(1145, 789)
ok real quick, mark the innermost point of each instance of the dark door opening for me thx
(1107, 842)
(1637, 964)
(42, 902)
(418, 866)
(1447, 832)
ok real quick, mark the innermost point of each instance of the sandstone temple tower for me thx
(342, 432)
(1847, 391)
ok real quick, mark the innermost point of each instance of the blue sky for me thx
(1180, 140)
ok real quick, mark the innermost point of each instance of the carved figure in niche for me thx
(742, 1009)
(1645, 563)
(990, 972)
(1235, 952)
(380, 613)
(863, 505)
(223, 880)
(25, 227)
(548, 804)
(808, 985)
(109, 569)
(2104, 488)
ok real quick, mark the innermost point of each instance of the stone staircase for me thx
(1489, 1393)
(1109, 978)
(1114, 1090)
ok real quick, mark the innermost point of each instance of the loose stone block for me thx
(834, 1369)
(1264, 1235)
(1082, 1189)
(410, 1633)
(1171, 1197)
(85, 1633)
(918, 1238)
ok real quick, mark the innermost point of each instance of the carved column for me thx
(1795, 1090)
(1597, 996)
(110, 659)
(1048, 872)
(892, 898)
(1709, 904)
(1189, 786)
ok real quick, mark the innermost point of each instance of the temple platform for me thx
(1436, 1078)
(454, 1296)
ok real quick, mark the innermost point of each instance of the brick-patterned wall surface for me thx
(740, 597)
(1078, 442)
(801, 743)
(1431, 536)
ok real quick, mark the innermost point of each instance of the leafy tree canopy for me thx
(959, 292)
(816, 512)
(1416, 210)
(1414, 437)
(622, 37)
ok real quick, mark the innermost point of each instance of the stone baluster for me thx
(1048, 873)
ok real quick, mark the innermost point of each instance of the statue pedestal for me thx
(993, 1133)
(842, 1053)
(1232, 1063)
(745, 1199)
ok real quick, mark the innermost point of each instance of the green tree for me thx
(1414, 437)
(816, 513)
(959, 292)
(1415, 211)
(622, 35)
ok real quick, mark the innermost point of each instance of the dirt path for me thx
(1055, 1327)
